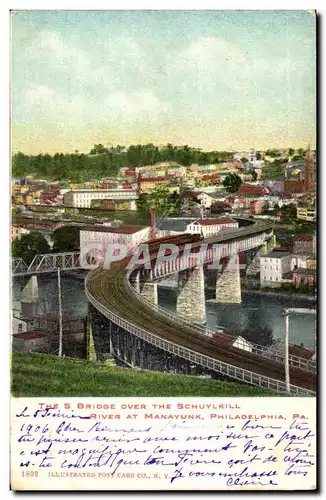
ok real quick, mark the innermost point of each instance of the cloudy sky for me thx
(209, 79)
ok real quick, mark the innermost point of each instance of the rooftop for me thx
(117, 230)
(304, 238)
(302, 271)
(99, 190)
(176, 224)
(214, 222)
(30, 335)
(216, 196)
(153, 179)
(276, 255)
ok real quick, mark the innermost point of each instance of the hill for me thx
(37, 375)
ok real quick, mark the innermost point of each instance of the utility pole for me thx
(60, 314)
(286, 352)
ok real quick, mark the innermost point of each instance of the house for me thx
(30, 341)
(310, 263)
(110, 204)
(304, 276)
(219, 207)
(82, 198)
(206, 227)
(227, 339)
(305, 245)
(208, 199)
(17, 231)
(147, 184)
(210, 227)
(293, 186)
(21, 324)
(306, 213)
(276, 267)
(256, 206)
(275, 187)
(94, 240)
(253, 190)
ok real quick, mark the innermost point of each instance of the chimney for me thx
(138, 182)
(308, 171)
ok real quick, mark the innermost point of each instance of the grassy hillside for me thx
(36, 375)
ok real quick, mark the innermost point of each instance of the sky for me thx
(217, 80)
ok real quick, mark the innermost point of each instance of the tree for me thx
(265, 209)
(262, 335)
(291, 151)
(98, 149)
(66, 239)
(289, 211)
(273, 153)
(232, 182)
(160, 200)
(29, 245)
(20, 165)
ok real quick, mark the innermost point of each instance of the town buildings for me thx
(82, 198)
(275, 267)
(307, 213)
(17, 231)
(94, 240)
(305, 244)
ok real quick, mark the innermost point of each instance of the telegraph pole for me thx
(60, 314)
(286, 352)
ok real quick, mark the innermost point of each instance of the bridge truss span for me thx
(46, 263)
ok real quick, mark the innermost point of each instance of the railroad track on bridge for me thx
(107, 291)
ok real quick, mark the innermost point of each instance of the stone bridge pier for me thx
(30, 297)
(191, 295)
(144, 286)
(254, 255)
(228, 284)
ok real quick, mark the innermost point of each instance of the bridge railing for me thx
(200, 359)
(304, 364)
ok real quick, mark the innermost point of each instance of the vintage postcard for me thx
(163, 250)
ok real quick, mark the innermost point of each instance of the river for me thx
(259, 311)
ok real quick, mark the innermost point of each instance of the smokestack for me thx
(152, 223)
(138, 183)
(308, 171)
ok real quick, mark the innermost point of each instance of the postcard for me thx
(163, 250)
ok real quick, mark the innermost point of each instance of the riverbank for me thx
(272, 294)
(311, 298)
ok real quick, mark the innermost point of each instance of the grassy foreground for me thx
(36, 375)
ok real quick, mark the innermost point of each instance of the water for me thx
(259, 311)
(73, 297)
